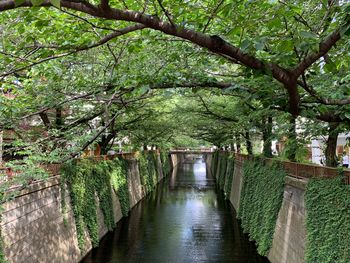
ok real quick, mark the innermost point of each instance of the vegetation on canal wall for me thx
(223, 161)
(260, 202)
(214, 163)
(327, 221)
(222, 169)
(229, 175)
(148, 169)
(164, 157)
(86, 180)
(119, 181)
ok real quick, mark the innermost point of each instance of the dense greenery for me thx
(214, 163)
(327, 222)
(119, 181)
(229, 175)
(223, 156)
(223, 165)
(121, 75)
(165, 159)
(261, 199)
(176, 74)
(87, 182)
(148, 170)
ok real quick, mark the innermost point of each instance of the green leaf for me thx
(56, 3)
(37, 2)
(245, 44)
(308, 34)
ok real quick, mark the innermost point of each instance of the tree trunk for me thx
(59, 118)
(249, 143)
(331, 149)
(267, 133)
(291, 148)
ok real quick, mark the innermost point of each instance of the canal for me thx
(185, 220)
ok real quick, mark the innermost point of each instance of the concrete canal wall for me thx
(34, 228)
(289, 238)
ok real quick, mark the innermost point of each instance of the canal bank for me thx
(36, 228)
(185, 220)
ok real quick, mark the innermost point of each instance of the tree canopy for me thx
(227, 73)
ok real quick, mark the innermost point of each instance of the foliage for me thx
(261, 199)
(164, 156)
(327, 221)
(148, 170)
(222, 169)
(214, 163)
(229, 175)
(87, 182)
(226, 171)
(120, 184)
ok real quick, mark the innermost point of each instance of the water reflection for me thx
(185, 220)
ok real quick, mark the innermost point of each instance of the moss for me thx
(260, 202)
(328, 221)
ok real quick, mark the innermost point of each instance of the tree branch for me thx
(214, 44)
(324, 47)
(102, 41)
(309, 89)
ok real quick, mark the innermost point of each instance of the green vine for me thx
(229, 175)
(164, 156)
(214, 163)
(260, 202)
(328, 221)
(148, 170)
(223, 162)
(120, 184)
(87, 182)
(222, 169)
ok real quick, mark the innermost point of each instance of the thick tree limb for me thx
(213, 43)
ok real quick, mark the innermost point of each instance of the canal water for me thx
(185, 220)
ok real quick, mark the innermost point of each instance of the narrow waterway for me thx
(185, 220)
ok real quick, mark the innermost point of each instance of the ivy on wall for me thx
(223, 161)
(327, 221)
(164, 157)
(89, 182)
(222, 169)
(260, 202)
(148, 170)
(119, 181)
(214, 163)
(229, 175)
